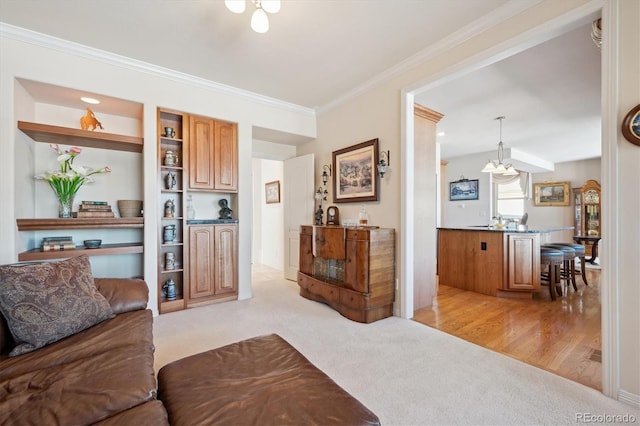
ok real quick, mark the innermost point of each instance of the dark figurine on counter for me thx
(225, 211)
(319, 214)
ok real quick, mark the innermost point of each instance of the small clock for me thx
(631, 126)
(333, 215)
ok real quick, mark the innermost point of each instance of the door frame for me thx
(523, 41)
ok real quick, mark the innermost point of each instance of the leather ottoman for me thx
(260, 381)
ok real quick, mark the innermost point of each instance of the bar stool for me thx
(567, 272)
(552, 260)
(580, 254)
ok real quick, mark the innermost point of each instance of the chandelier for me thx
(259, 19)
(500, 168)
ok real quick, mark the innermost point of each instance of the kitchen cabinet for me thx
(213, 263)
(213, 155)
(491, 262)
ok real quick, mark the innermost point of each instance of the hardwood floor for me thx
(561, 336)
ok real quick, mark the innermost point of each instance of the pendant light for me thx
(500, 168)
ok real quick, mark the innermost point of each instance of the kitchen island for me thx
(496, 262)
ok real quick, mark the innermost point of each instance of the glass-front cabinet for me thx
(587, 210)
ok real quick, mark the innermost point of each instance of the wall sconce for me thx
(325, 176)
(383, 166)
(321, 195)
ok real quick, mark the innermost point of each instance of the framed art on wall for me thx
(551, 194)
(355, 177)
(463, 189)
(272, 192)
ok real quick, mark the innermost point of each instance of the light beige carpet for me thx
(405, 372)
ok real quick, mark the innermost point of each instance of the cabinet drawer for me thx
(353, 299)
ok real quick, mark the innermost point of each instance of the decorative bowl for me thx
(92, 243)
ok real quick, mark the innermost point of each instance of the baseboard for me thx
(629, 398)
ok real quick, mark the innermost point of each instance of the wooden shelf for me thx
(103, 250)
(167, 306)
(79, 223)
(79, 137)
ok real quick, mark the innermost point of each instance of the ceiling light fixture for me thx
(499, 168)
(259, 19)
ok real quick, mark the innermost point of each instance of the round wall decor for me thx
(631, 126)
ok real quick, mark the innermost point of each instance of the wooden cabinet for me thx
(523, 262)
(587, 212)
(494, 263)
(213, 155)
(102, 140)
(350, 269)
(212, 263)
(171, 229)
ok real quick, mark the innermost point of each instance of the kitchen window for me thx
(509, 195)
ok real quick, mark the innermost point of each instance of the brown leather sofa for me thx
(101, 375)
(104, 375)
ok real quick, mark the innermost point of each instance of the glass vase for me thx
(65, 206)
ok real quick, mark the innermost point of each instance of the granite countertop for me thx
(210, 221)
(530, 230)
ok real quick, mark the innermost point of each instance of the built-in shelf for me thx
(79, 223)
(103, 250)
(91, 139)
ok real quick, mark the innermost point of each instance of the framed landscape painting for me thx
(355, 177)
(551, 194)
(464, 189)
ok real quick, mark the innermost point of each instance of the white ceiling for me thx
(549, 94)
(316, 51)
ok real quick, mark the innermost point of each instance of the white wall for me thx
(467, 212)
(575, 172)
(272, 216)
(478, 212)
(376, 110)
(268, 219)
(35, 57)
(621, 177)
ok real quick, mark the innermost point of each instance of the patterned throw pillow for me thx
(46, 302)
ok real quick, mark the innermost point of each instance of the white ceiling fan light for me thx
(271, 6)
(259, 18)
(236, 6)
(259, 21)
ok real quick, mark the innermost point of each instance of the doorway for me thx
(410, 217)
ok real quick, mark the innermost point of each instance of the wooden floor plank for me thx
(561, 336)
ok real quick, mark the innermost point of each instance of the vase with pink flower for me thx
(69, 178)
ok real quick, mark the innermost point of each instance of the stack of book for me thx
(94, 209)
(57, 243)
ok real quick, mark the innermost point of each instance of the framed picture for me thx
(272, 192)
(551, 194)
(354, 176)
(463, 189)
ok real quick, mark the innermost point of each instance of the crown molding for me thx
(80, 50)
(478, 26)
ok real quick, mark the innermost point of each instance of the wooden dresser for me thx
(350, 269)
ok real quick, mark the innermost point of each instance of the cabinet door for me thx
(226, 237)
(225, 157)
(201, 152)
(523, 262)
(306, 255)
(201, 262)
(356, 264)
